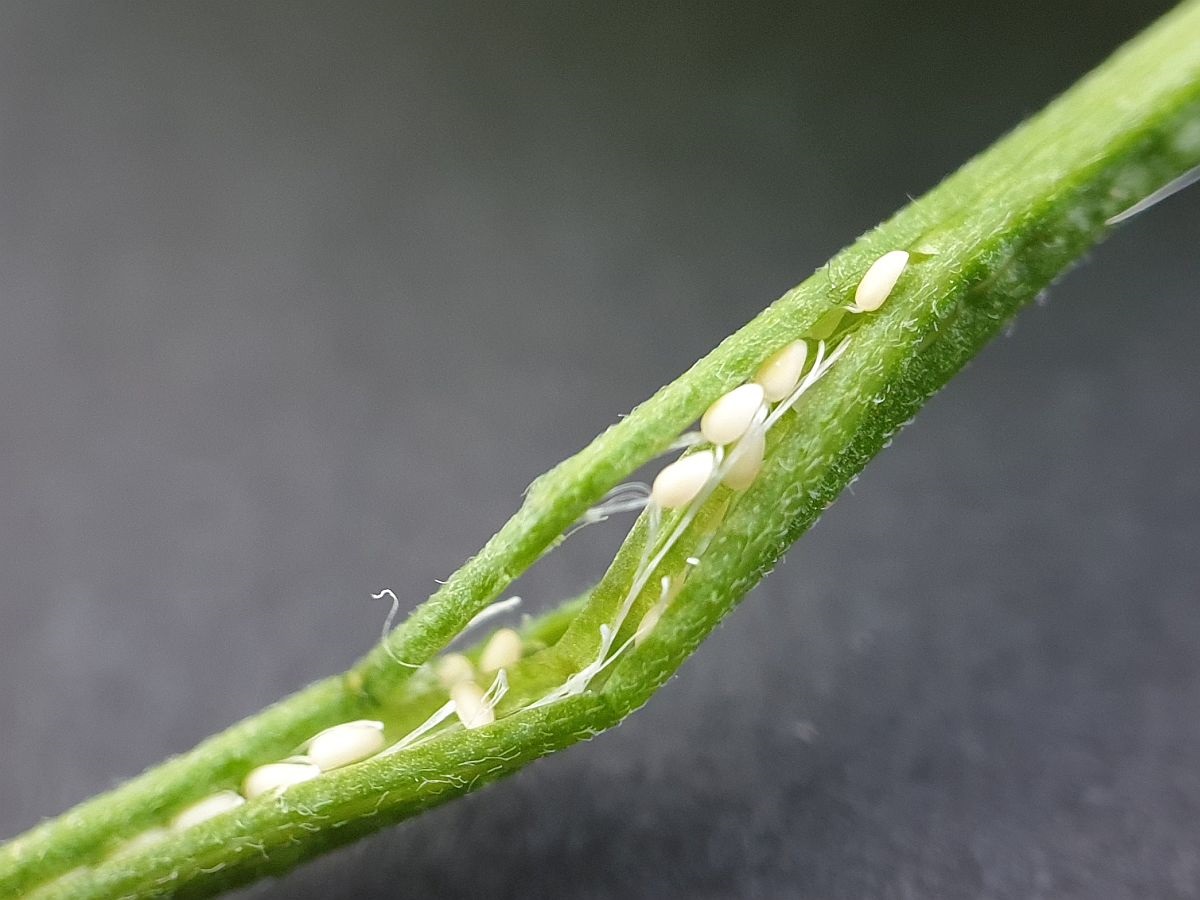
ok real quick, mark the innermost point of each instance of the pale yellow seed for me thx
(502, 651)
(470, 706)
(648, 624)
(347, 743)
(781, 372)
(142, 840)
(277, 777)
(210, 806)
(453, 668)
(678, 484)
(879, 280)
(746, 461)
(731, 414)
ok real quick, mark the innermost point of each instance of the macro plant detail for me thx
(789, 408)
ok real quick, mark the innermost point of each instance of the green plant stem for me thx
(984, 242)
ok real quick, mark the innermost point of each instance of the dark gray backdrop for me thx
(296, 299)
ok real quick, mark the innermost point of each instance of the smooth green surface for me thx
(985, 241)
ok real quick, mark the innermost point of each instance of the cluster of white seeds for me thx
(333, 748)
(474, 706)
(731, 419)
(352, 742)
(735, 427)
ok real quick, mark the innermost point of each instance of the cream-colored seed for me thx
(347, 743)
(781, 372)
(210, 806)
(879, 280)
(276, 777)
(501, 651)
(470, 706)
(678, 484)
(731, 414)
(648, 623)
(142, 840)
(746, 460)
(453, 668)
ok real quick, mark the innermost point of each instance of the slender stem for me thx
(983, 243)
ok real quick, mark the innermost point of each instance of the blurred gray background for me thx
(295, 299)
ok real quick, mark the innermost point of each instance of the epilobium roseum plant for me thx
(790, 408)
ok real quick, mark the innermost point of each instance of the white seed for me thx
(347, 743)
(502, 651)
(470, 706)
(648, 623)
(210, 806)
(679, 483)
(781, 372)
(881, 277)
(746, 461)
(142, 840)
(453, 668)
(277, 776)
(730, 415)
